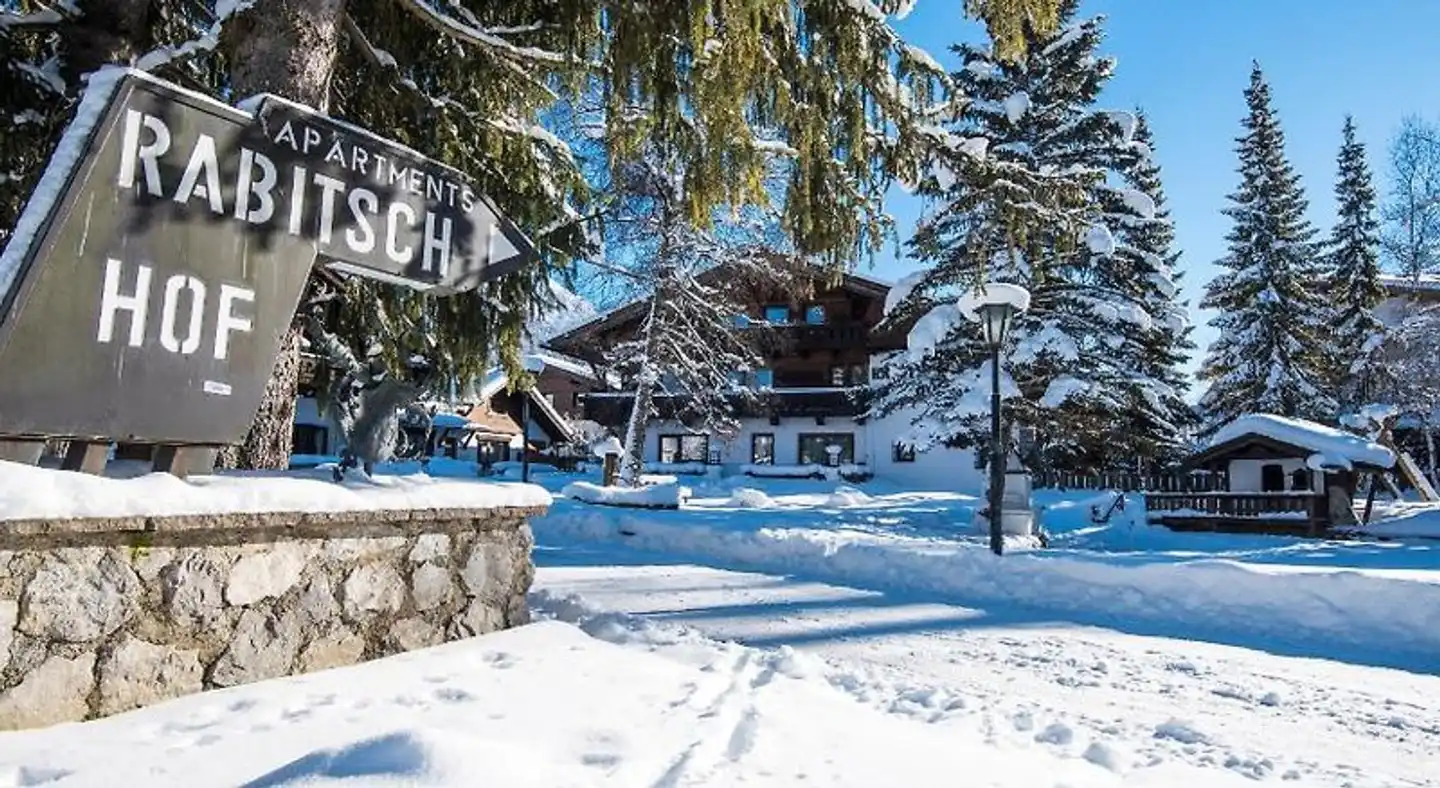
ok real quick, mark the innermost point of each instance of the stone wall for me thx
(101, 616)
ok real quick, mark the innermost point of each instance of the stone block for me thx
(266, 574)
(317, 604)
(80, 597)
(9, 614)
(414, 633)
(373, 588)
(136, 673)
(430, 547)
(191, 590)
(333, 650)
(261, 648)
(56, 691)
(431, 587)
(489, 570)
(361, 548)
(478, 618)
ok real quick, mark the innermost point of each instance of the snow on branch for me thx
(474, 34)
(45, 17)
(161, 56)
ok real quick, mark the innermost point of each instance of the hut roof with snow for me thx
(1263, 436)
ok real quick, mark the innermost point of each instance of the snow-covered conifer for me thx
(1354, 269)
(1021, 191)
(1272, 352)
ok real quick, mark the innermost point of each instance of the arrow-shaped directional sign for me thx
(379, 208)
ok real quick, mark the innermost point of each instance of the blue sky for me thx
(1187, 62)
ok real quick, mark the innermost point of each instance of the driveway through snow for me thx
(1124, 701)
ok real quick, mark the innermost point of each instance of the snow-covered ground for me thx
(1130, 703)
(788, 632)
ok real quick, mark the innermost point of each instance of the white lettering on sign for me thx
(137, 303)
(148, 155)
(339, 214)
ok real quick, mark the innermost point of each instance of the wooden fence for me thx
(1129, 482)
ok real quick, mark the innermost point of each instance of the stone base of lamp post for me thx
(1017, 516)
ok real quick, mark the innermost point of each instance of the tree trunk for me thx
(633, 463)
(104, 32)
(289, 48)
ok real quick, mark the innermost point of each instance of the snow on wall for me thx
(29, 492)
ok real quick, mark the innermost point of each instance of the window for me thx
(813, 447)
(858, 375)
(1272, 478)
(777, 313)
(815, 314)
(903, 452)
(714, 456)
(737, 378)
(1300, 479)
(837, 376)
(742, 321)
(684, 448)
(762, 448)
(308, 439)
(765, 378)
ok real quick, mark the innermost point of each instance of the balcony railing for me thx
(613, 408)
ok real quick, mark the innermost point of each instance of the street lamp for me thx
(994, 307)
(534, 365)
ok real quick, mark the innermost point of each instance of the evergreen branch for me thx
(473, 34)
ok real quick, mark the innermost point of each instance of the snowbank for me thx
(750, 498)
(1351, 608)
(545, 705)
(1335, 446)
(656, 496)
(29, 492)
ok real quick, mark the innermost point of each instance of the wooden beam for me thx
(27, 452)
(183, 461)
(86, 457)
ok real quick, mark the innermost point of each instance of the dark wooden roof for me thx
(580, 341)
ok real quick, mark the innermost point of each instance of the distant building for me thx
(811, 394)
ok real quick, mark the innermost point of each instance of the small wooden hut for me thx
(1278, 475)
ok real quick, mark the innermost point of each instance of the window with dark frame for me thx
(1272, 478)
(778, 314)
(859, 375)
(812, 448)
(837, 376)
(684, 448)
(762, 448)
(815, 315)
(903, 452)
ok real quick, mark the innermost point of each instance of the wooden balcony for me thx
(612, 409)
(1291, 513)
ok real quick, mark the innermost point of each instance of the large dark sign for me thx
(150, 300)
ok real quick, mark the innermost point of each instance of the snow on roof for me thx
(1336, 447)
(1406, 283)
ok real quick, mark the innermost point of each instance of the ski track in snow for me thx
(1121, 701)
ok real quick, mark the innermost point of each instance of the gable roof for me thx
(631, 310)
(1316, 442)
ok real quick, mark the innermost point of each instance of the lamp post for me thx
(534, 365)
(994, 307)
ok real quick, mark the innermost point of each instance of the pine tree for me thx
(468, 82)
(1354, 263)
(1153, 425)
(1271, 353)
(1019, 193)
